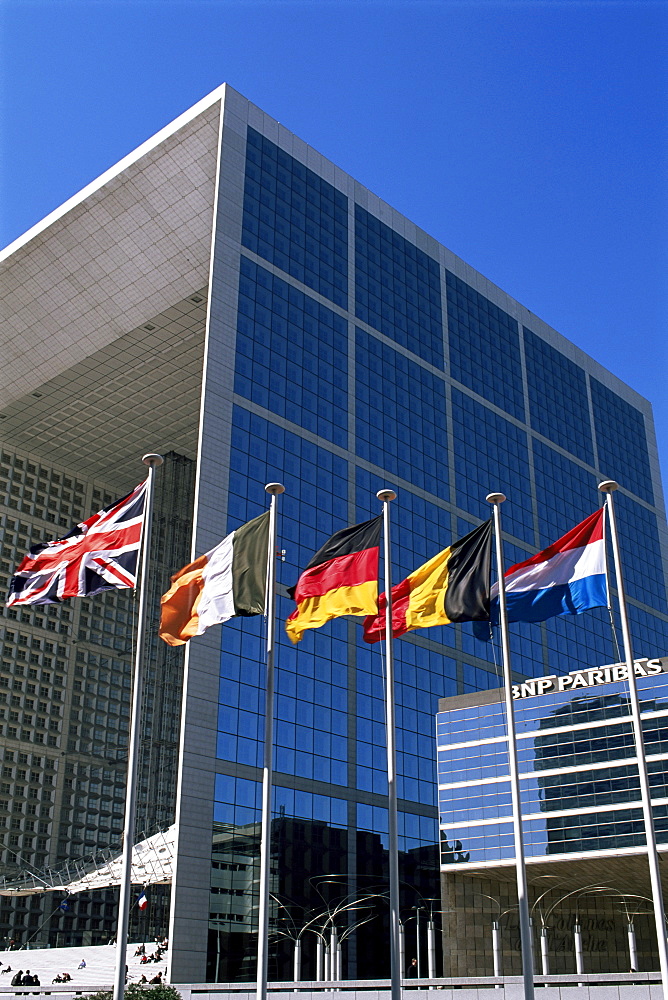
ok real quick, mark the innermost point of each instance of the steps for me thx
(100, 965)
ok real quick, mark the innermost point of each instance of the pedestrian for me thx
(82, 963)
(17, 980)
(412, 970)
(157, 980)
(27, 979)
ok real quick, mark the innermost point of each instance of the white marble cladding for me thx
(129, 250)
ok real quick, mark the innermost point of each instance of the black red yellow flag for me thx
(341, 579)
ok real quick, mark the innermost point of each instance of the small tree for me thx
(136, 992)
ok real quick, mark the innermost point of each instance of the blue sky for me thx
(529, 137)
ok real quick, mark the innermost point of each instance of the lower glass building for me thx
(230, 298)
(582, 821)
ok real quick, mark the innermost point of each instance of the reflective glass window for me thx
(621, 439)
(295, 219)
(558, 401)
(484, 347)
(397, 288)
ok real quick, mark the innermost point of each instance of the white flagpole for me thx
(274, 489)
(608, 487)
(386, 496)
(124, 902)
(496, 499)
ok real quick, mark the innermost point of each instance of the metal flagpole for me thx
(608, 487)
(153, 462)
(386, 496)
(274, 489)
(522, 892)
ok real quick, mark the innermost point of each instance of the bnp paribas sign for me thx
(589, 678)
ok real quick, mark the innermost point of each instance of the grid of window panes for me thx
(295, 219)
(311, 679)
(558, 401)
(650, 632)
(484, 347)
(292, 354)
(400, 421)
(397, 288)
(621, 440)
(415, 831)
(491, 455)
(64, 700)
(292, 360)
(422, 528)
(566, 492)
(641, 552)
(584, 640)
(577, 767)
(308, 838)
(423, 665)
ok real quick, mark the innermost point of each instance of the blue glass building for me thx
(343, 350)
(580, 802)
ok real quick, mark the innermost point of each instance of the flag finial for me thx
(274, 488)
(495, 497)
(152, 460)
(386, 495)
(608, 486)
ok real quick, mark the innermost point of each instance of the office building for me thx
(581, 817)
(230, 298)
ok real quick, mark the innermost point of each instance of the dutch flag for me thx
(567, 578)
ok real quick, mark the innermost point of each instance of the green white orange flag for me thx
(453, 586)
(228, 580)
(341, 579)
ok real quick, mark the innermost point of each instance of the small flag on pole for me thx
(453, 586)
(227, 581)
(142, 901)
(566, 578)
(341, 579)
(98, 554)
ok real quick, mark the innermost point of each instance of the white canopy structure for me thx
(152, 861)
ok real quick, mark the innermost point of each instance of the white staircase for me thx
(98, 974)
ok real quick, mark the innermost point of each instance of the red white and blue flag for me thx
(99, 554)
(566, 578)
(142, 901)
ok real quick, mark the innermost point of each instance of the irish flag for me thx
(228, 580)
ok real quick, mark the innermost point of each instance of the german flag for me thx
(341, 579)
(454, 586)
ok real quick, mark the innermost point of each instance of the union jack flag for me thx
(99, 554)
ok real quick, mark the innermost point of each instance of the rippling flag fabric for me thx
(453, 586)
(566, 578)
(98, 554)
(227, 581)
(341, 579)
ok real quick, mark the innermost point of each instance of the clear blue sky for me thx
(529, 137)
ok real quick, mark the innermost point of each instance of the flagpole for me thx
(386, 496)
(496, 499)
(153, 462)
(608, 487)
(274, 489)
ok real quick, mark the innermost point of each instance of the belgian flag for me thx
(341, 579)
(453, 586)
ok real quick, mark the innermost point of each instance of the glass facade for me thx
(579, 784)
(295, 329)
(353, 371)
